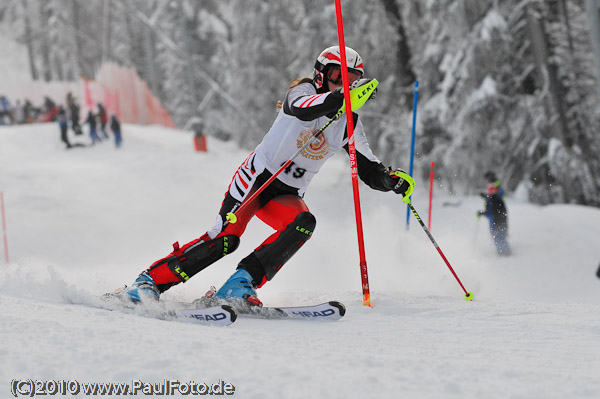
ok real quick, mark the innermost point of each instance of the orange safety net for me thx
(122, 92)
(118, 88)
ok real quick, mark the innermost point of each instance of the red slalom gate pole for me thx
(430, 195)
(4, 227)
(352, 151)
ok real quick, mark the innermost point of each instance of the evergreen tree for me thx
(504, 85)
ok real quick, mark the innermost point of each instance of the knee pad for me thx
(267, 259)
(305, 223)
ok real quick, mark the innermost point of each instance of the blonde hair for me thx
(293, 84)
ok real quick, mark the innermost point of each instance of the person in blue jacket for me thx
(5, 111)
(495, 211)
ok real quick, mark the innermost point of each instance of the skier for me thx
(308, 105)
(91, 120)
(74, 109)
(115, 126)
(64, 126)
(103, 117)
(495, 211)
(6, 116)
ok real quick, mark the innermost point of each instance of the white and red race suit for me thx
(280, 205)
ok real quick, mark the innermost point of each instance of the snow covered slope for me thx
(85, 221)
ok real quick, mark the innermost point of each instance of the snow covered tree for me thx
(504, 90)
(504, 85)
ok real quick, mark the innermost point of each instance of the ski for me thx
(331, 311)
(222, 315)
(216, 315)
(216, 312)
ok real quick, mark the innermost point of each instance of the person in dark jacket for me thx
(103, 119)
(115, 126)
(74, 110)
(91, 120)
(64, 126)
(495, 211)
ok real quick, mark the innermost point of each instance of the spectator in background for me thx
(495, 211)
(91, 120)
(50, 110)
(64, 126)
(74, 112)
(19, 116)
(6, 117)
(70, 100)
(115, 126)
(28, 111)
(103, 119)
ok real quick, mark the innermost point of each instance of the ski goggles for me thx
(334, 75)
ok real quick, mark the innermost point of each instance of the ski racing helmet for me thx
(329, 66)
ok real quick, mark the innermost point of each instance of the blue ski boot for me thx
(239, 288)
(143, 289)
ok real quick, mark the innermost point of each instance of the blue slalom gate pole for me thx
(412, 146)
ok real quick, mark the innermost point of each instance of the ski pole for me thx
(468, 295)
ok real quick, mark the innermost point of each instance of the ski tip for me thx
(340, 306)
(232, 312)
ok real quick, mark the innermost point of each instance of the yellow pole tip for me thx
(231, 218)
(367, 301)
(469, 296)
